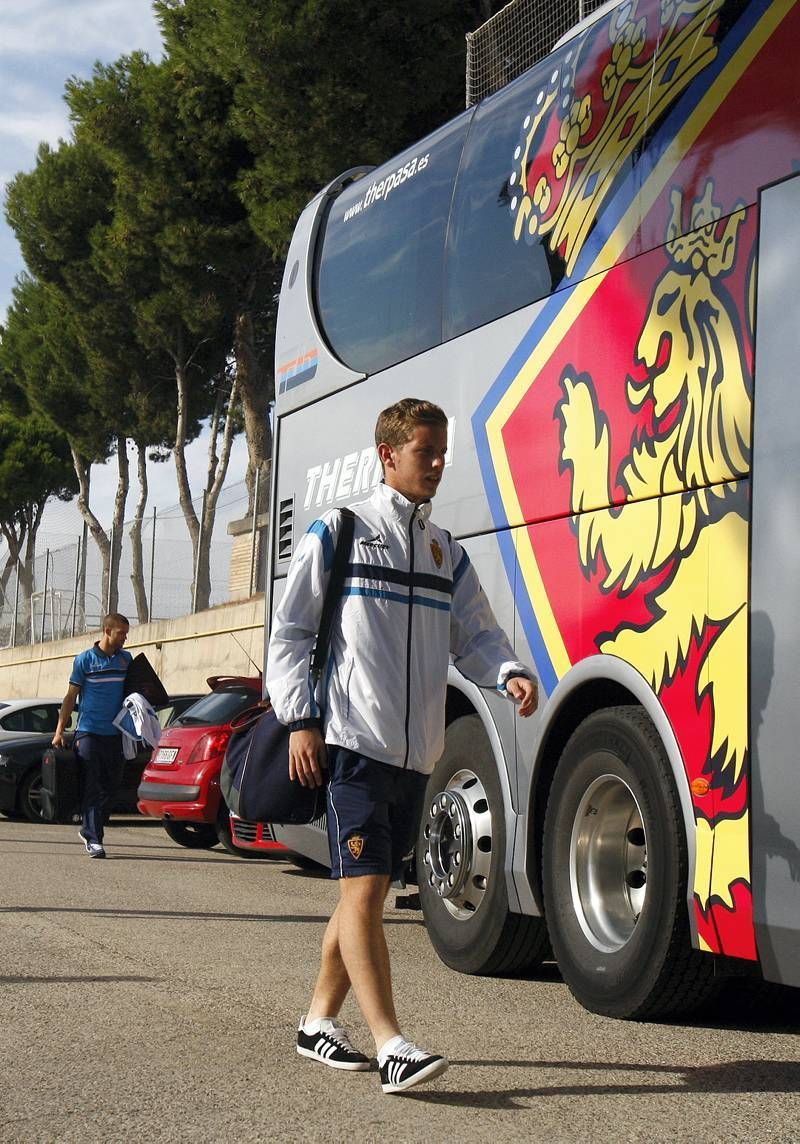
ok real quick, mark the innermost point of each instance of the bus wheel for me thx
(460, 856)
(615, 870)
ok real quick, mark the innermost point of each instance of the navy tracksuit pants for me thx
(102, 764)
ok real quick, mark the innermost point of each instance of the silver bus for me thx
(594, 272)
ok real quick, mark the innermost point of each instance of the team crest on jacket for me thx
(356, 846)
(436, 553)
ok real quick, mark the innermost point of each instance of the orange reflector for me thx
(700, 786)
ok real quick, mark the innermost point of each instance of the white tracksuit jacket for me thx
(411, 598)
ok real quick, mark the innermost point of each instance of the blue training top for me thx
(101, 679)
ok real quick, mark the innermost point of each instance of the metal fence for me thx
(55, 612)
(515, 38)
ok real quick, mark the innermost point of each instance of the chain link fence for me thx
(67, 593)
(515, 38)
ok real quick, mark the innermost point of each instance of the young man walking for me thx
(411, 599)
(98, 677)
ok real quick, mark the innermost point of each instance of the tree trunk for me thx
(215, 479)
(257, 389)
(14, 539)
(83, 473)
(137, 561)
(33, 514)
(14, 542)
(118, 523)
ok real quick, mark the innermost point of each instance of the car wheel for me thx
(615, 869)
(30, 795)
(194, 835)
(460, 863)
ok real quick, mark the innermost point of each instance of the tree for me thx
(382, 76)
(60, 212)
(35, 464)
(288, 128)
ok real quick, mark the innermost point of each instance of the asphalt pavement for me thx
(154, 996)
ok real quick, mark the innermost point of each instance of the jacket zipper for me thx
(408, 640)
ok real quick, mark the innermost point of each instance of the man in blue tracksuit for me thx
(98, 677)
(411, 600)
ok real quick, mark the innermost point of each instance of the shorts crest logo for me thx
(436, 552)
(356, 846)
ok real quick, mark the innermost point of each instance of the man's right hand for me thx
(307, 756)
(58, 739)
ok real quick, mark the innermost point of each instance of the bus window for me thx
(380, 254)
(488, 273)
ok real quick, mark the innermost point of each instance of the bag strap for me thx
(341, 556)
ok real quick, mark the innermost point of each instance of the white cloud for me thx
(43, 43)
(79, 29)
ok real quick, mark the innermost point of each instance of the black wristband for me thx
(305, 725)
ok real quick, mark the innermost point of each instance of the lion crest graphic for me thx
(678, 511)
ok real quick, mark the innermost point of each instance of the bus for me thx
(594, 272)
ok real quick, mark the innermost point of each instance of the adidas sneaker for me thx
(330, 1044)
(405, 1064)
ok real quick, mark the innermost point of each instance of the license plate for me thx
(166, 755)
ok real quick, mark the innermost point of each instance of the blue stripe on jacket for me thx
(320, 529)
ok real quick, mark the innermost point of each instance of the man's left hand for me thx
(525, 692)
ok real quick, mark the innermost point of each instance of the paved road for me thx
(153, 997)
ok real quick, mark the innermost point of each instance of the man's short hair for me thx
(396, 424)
(115, 620)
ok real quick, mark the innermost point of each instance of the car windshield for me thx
(218, 707)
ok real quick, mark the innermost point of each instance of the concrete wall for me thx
(184, 652)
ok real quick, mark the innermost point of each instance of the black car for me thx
(21, 767)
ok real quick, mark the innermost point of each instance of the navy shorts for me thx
(373, 814)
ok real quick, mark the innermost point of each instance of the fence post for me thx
(75, 592)
(44, 593)
(253, 535)
(152, 562)
(199, 549)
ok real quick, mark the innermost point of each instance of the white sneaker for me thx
(93, 849)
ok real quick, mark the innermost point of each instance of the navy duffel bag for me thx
(255, 779)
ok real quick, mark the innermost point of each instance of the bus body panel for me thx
(775, 592)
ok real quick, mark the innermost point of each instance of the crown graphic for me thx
(703, 247)
(575, 143)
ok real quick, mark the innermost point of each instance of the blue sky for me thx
(42, 44)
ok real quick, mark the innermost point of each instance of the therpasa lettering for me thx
(380, 191)
(354, 474)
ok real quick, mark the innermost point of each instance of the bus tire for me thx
(460, 857)
(615, 871)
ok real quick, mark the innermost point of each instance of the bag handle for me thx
(247, 718)
(344, 543)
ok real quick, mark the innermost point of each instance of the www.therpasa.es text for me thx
(377, 192)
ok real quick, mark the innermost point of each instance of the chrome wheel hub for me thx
(608, 863)
(458, 843)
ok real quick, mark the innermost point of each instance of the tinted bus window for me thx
(488, 273)
(379, 269)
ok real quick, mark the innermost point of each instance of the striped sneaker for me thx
(405, 1064)
(330, 1044)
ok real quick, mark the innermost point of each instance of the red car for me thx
(180, 784)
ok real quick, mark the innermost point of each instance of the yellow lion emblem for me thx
(682, 508)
